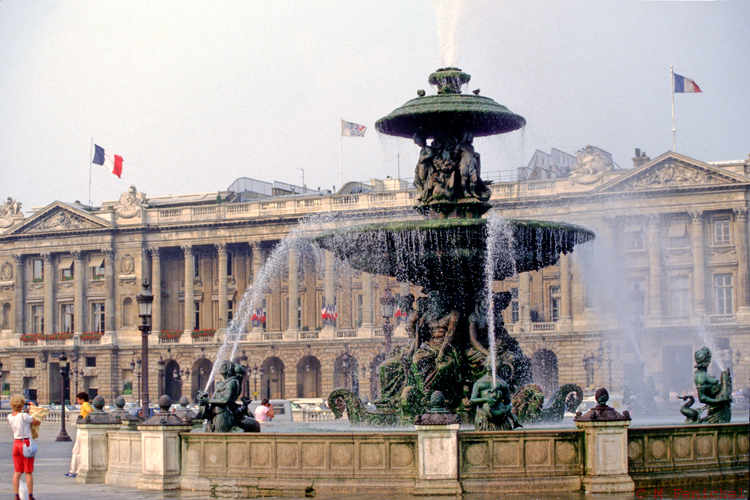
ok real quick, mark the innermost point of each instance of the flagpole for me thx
(674, 130)
(91, 160)
(341, 156)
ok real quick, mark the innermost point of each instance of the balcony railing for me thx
(346, 334)
(722, 319)
(309, 335)
(543, 327)
(675, 320)
(266, 336)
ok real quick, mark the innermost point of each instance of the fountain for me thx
(453, 254)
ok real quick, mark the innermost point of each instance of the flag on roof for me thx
(349, 129)
(102, 158)
(685, 85)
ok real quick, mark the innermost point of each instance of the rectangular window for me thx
(229, 264)
(90, 361)
(29, 363)
(359, 310)
(197, 316)
(634, 240)
(37, 270)
(515, 314)
(299, 312)
(722, 234)
(723, 294)
(636, 296)
(679, 296)
(230, 310)
(554, 303)
(678, 233)
(97, 267)
(197, 267)
(66, 313)
(37, 319)
(97, 316)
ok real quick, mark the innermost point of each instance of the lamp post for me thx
(133, 364)
(1, 377)
(162, 375)
(245, 381)
(177, 376)
(63, 436)
(257, 375)
(200, 378)
(387, 300)
(145, 300)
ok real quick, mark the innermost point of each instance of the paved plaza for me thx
(54, 460)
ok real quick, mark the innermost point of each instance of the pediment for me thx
(59, 217)
(672, 171)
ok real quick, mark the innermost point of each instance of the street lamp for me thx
(145, 300)
(133, 364)
(245, 381)
(1, 376)
(200, 378)
(387, 300)
(162, 375)
(177, 376)
(63, 436)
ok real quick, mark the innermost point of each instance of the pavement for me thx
(53, 460)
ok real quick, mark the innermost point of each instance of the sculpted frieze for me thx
(671, 175)
(59, 220)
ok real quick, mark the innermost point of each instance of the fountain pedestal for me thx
(94, 451)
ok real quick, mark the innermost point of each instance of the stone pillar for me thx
(94, 451)
(156, 321)
(654, 269)
(221, 250)
(366, 303)
(743, 295)
(293, 295)
(524, 300)
(49, 294)
(20, 293)
(606, 467)
(189, 282)
(329, 291)
(79, 273)
(109, 298)
(257, 265)
(160, 452)
(699, 265)
(565, 312)
(437, 448)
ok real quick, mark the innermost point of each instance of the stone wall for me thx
(679, 455)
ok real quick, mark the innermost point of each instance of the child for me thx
(21, 423)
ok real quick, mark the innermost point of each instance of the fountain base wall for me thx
(388, 463)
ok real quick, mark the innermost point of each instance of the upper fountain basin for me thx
(449, 252)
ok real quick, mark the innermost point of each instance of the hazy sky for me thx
(196, 94)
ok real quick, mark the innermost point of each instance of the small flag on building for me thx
(102, 158)
(685, 85)
(349, 129)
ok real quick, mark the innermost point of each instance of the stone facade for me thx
(667, 273)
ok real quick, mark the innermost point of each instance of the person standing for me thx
(21, 422)
(82, 399)
(264, 412)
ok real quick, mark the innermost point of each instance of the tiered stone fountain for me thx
(446, 254)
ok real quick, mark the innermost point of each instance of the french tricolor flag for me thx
(685, 85)
(102, 158)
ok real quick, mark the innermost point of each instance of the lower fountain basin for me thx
(440, 254)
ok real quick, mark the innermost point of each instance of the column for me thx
(366, 301)
(654, 268)
(49, 294)
(565, 313)
(221, 250)
(109, 300)
(293, 294)
(740, 215)
(524, 300)
(699, 269)
(20, 293)
(189, 282)
(257, 265)
(156, 323)
(79, 273)
(329, 291)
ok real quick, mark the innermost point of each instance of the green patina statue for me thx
(715, 393)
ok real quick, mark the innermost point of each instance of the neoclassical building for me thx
(666, 274)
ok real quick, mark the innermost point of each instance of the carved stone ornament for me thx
(671, 175)
(131, 204)
(6, 272)
(10, 212)
(127, 264)
(58, 221)
(592, 163)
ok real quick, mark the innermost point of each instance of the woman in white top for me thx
(21, 423)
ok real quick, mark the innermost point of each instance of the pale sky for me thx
(196, 94)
